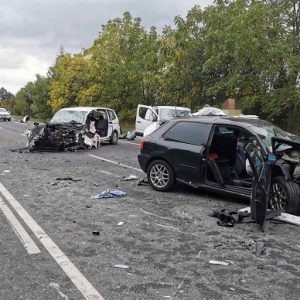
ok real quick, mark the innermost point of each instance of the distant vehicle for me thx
(75, 128)
(216, 153)
(5, 114)
(154, 116)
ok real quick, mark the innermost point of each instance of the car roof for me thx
(225, 120)
(84, 108)
(174, 107)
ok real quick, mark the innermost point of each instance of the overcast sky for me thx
(32, 31)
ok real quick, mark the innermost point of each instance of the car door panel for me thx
(142, 123)
(186, 160)
(261, 182)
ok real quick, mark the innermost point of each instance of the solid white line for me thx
(19, 230)
(131, 143)
(116, 163)
(82, 284)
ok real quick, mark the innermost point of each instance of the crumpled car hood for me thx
(56, 137)
(293, 141)
(289, 158)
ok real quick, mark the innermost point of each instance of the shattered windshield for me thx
(167, 114)
(267, 132)
(69, 116)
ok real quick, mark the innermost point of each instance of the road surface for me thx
(57, 243)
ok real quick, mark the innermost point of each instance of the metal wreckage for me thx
(74, 128)
(61, 137)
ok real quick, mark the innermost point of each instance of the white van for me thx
(154, 116)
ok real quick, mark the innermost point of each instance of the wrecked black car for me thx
(75, 128)
(246, 158)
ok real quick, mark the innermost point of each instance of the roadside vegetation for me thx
(246, 50)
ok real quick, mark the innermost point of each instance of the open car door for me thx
(261, 183)
(145, 116)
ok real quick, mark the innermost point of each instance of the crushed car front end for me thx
(58, 137)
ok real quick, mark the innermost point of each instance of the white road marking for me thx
(116, 163)
(131, 143)
(82, 284)
(19, 230)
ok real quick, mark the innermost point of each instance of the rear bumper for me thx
(143, 160)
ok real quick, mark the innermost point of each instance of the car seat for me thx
(101, 125)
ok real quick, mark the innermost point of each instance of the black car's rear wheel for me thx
(160, 175)
(285, 195)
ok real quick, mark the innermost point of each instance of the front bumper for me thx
(5, 117)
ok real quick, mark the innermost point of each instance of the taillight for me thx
(142, 144)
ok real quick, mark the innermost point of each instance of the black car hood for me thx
(293, 141)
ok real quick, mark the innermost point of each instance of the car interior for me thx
(97, 122)
(227, 157)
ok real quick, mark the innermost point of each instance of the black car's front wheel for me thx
(285, 195)
(160, 175)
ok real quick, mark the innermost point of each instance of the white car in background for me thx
(149, 118)
(5, 114)
(75, 128)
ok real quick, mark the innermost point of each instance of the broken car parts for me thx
(75, 128)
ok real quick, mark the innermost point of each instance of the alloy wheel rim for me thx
(159, 175)
(278, 199)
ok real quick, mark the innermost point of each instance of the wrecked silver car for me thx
(75, 128)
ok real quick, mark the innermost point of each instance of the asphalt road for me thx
(150, 245)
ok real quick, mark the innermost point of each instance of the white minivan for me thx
(148, 118)
(74, 128)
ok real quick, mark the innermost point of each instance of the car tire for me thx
(114, 138)
(285, 195)
(160, 175)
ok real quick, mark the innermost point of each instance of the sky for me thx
(33, 31)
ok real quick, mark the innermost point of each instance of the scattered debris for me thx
(25, 119)
(131, 135)
(229, 218)
(130, 177)
(278, 215)
(68, 178)
(121, 266)
(142, 181)
(259, 248)
(5, 172)
(217, 262)
(256, 247)
(110, 193)
(123, 136)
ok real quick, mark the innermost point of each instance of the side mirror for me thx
(154, 118)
